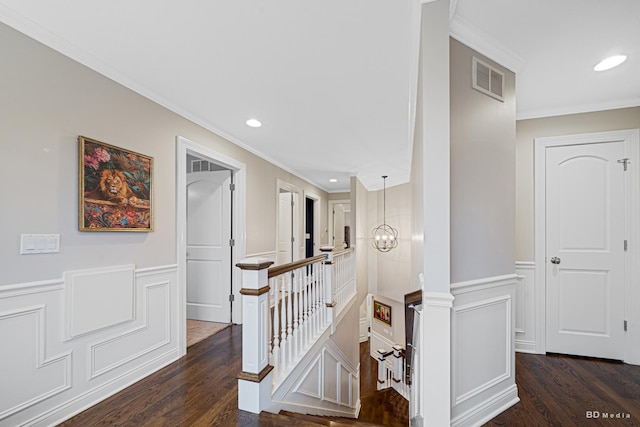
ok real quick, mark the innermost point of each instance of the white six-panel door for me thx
(585, 283)
(208, 246)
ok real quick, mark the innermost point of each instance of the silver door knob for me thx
(555, 260)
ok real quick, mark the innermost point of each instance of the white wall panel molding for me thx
(525, 307)
(325, 382)
(51, 375)
(270, 256)
(154, 333)
(483, 349)
(99, 298)
(46, 378)
(494, 316)
(488, 409)
(482, 284)
(19, 289)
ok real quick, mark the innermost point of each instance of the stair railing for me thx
(392, 375)
(285, 309)
(400, 369)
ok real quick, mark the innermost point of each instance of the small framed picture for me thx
(115, 188)
(382, 312)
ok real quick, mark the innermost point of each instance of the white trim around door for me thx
(238, 220)
(631, 138)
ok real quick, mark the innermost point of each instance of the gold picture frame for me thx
(115, 188)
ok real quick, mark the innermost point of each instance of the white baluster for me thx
(290, 278)
(296, 310)
(284, 343)
(276, 325)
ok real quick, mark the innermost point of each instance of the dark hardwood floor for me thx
(386, 407)
(558, 390)
(201, 390)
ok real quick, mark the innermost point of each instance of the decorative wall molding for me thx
(495, 313)
(325, 383)
(525, 307)
(52, 378)
(482, 349)
(98, 298)
(104, 356)
(23, 366)
(270, 256)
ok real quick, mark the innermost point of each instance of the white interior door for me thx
(338, 227)
(285, 228)
(585, 250)
(208, 246)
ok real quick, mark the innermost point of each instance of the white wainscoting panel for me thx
(70, 343)
(525, 308)
(99, 298)
(270, 256)
(323, 383)
(483, 349)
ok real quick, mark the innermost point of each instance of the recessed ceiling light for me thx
(610, 62)
(333, 180)
(254, 123)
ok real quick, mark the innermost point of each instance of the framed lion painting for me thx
(115, 188)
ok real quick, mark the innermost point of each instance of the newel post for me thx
(329, 284)
(255, 380)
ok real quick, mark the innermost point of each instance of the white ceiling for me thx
(332, 81)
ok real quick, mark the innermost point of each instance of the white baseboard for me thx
(488, 409)
(526, 347)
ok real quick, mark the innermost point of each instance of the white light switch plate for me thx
(39, 244)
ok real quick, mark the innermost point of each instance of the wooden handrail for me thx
(342, 251)
(285, 268)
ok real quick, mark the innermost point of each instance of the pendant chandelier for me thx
(385, 237)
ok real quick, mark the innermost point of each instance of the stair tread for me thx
(330, 421)
(268, 419)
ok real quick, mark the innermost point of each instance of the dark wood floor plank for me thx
(559, 390)
(201, 390)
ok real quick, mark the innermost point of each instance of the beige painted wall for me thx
(47, 101)
(360, 236)
(416, 188)
(394, 267)
(482, 173)
(526, 132)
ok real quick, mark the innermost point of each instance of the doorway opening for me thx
(340, 223)
(211, 223)
(209, 245)
(312, 224)
(289, 246)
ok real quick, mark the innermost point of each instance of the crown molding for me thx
(476, 39)
(59, 44)
(577, 109)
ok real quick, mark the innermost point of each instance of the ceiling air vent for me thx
(488, 80)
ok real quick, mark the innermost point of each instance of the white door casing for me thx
(288, 223)
(631, 209)
(184, 147)
(338, 227)
(345, 207)
(285, 228)
(584, 247)
(208, 246)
